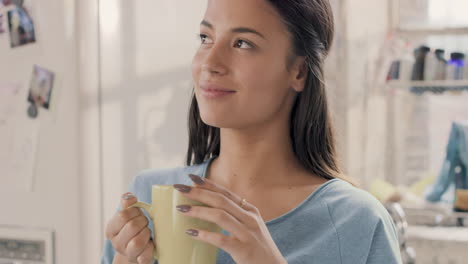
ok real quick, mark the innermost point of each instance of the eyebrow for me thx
(235, 30)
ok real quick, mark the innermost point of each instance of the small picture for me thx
(40, 91)
(9, 2)
(2, 29)
(5, 2)
(21, 27)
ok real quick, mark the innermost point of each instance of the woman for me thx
(261, 149)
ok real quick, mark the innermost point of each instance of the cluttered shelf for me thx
(434, 214)
(436, 87)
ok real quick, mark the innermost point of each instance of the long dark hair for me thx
(311, 26)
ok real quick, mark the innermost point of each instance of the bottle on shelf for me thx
(401, 68)
(465, 74)
(456, 66)
(394, 72)
(430, 66)
(420, 55)
(441, 68)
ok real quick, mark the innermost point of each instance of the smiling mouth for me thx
(215, 93)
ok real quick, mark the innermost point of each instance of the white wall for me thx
(146, 52)
(366, 28)
(54, 204)
(91, 218)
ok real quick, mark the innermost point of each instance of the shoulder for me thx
(358, 216)
(349, 203)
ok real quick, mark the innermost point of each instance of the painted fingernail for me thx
(182, 188)
(192, 232)
(127, 196)
(183, 208)
(197, 179)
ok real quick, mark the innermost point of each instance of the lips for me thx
(215, 88)
(212, 91)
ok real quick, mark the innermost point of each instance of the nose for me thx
(214, 60)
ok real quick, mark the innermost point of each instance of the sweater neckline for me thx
(291, 212)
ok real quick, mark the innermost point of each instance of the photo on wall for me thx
(2, 23)
(11, 2)
(41, 86)
(21, 27)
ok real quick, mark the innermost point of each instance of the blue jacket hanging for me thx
(454, 168)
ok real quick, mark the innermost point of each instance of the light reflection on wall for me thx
(448, 12)
(110, 13)
(111, 53)
(164, 39)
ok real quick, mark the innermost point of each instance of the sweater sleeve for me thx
(365, 230)
(384, 246)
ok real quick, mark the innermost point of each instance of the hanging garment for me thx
(454, 168)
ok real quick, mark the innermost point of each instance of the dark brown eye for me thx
(202, 38)
(243, 41)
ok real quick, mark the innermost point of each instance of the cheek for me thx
(264, 96)
(266, 85)
(196, 69)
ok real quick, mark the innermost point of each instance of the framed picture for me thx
(41, 86)
(2, 23)
(9, 2)
(26, 245)
(21, 27)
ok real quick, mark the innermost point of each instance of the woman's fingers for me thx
(216, 199)
(210, 185)
(119, 220)
(130, 230)
(129, 233)
(138, 243)
(219, 217)
(147, 256)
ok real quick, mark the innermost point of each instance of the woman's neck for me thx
(255, 160)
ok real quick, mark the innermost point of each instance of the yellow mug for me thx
(173, 245)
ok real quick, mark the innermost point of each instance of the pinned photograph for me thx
(21, 27)
(10, 2)
(40, 91)
(2, 23)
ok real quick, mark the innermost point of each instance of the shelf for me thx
(459, 215)
(421, 32)
(442, 83)
(437, 87)
(434, 215)
(450, 234)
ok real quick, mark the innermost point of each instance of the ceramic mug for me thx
(173, 245)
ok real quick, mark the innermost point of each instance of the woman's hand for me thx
(128, 232)
(249, 242)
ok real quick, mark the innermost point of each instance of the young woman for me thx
(261, 152)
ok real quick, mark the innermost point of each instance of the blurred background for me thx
(93, 92)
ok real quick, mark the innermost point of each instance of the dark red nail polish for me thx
(182, 188)
(197, 179)
(192, 232)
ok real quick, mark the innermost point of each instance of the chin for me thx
(215, 115)
(215, 119)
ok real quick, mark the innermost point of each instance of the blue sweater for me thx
(337, 223)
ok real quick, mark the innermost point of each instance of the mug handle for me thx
(147, 208)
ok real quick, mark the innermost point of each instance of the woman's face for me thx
(252, 66)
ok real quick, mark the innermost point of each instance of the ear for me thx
(299, 74)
